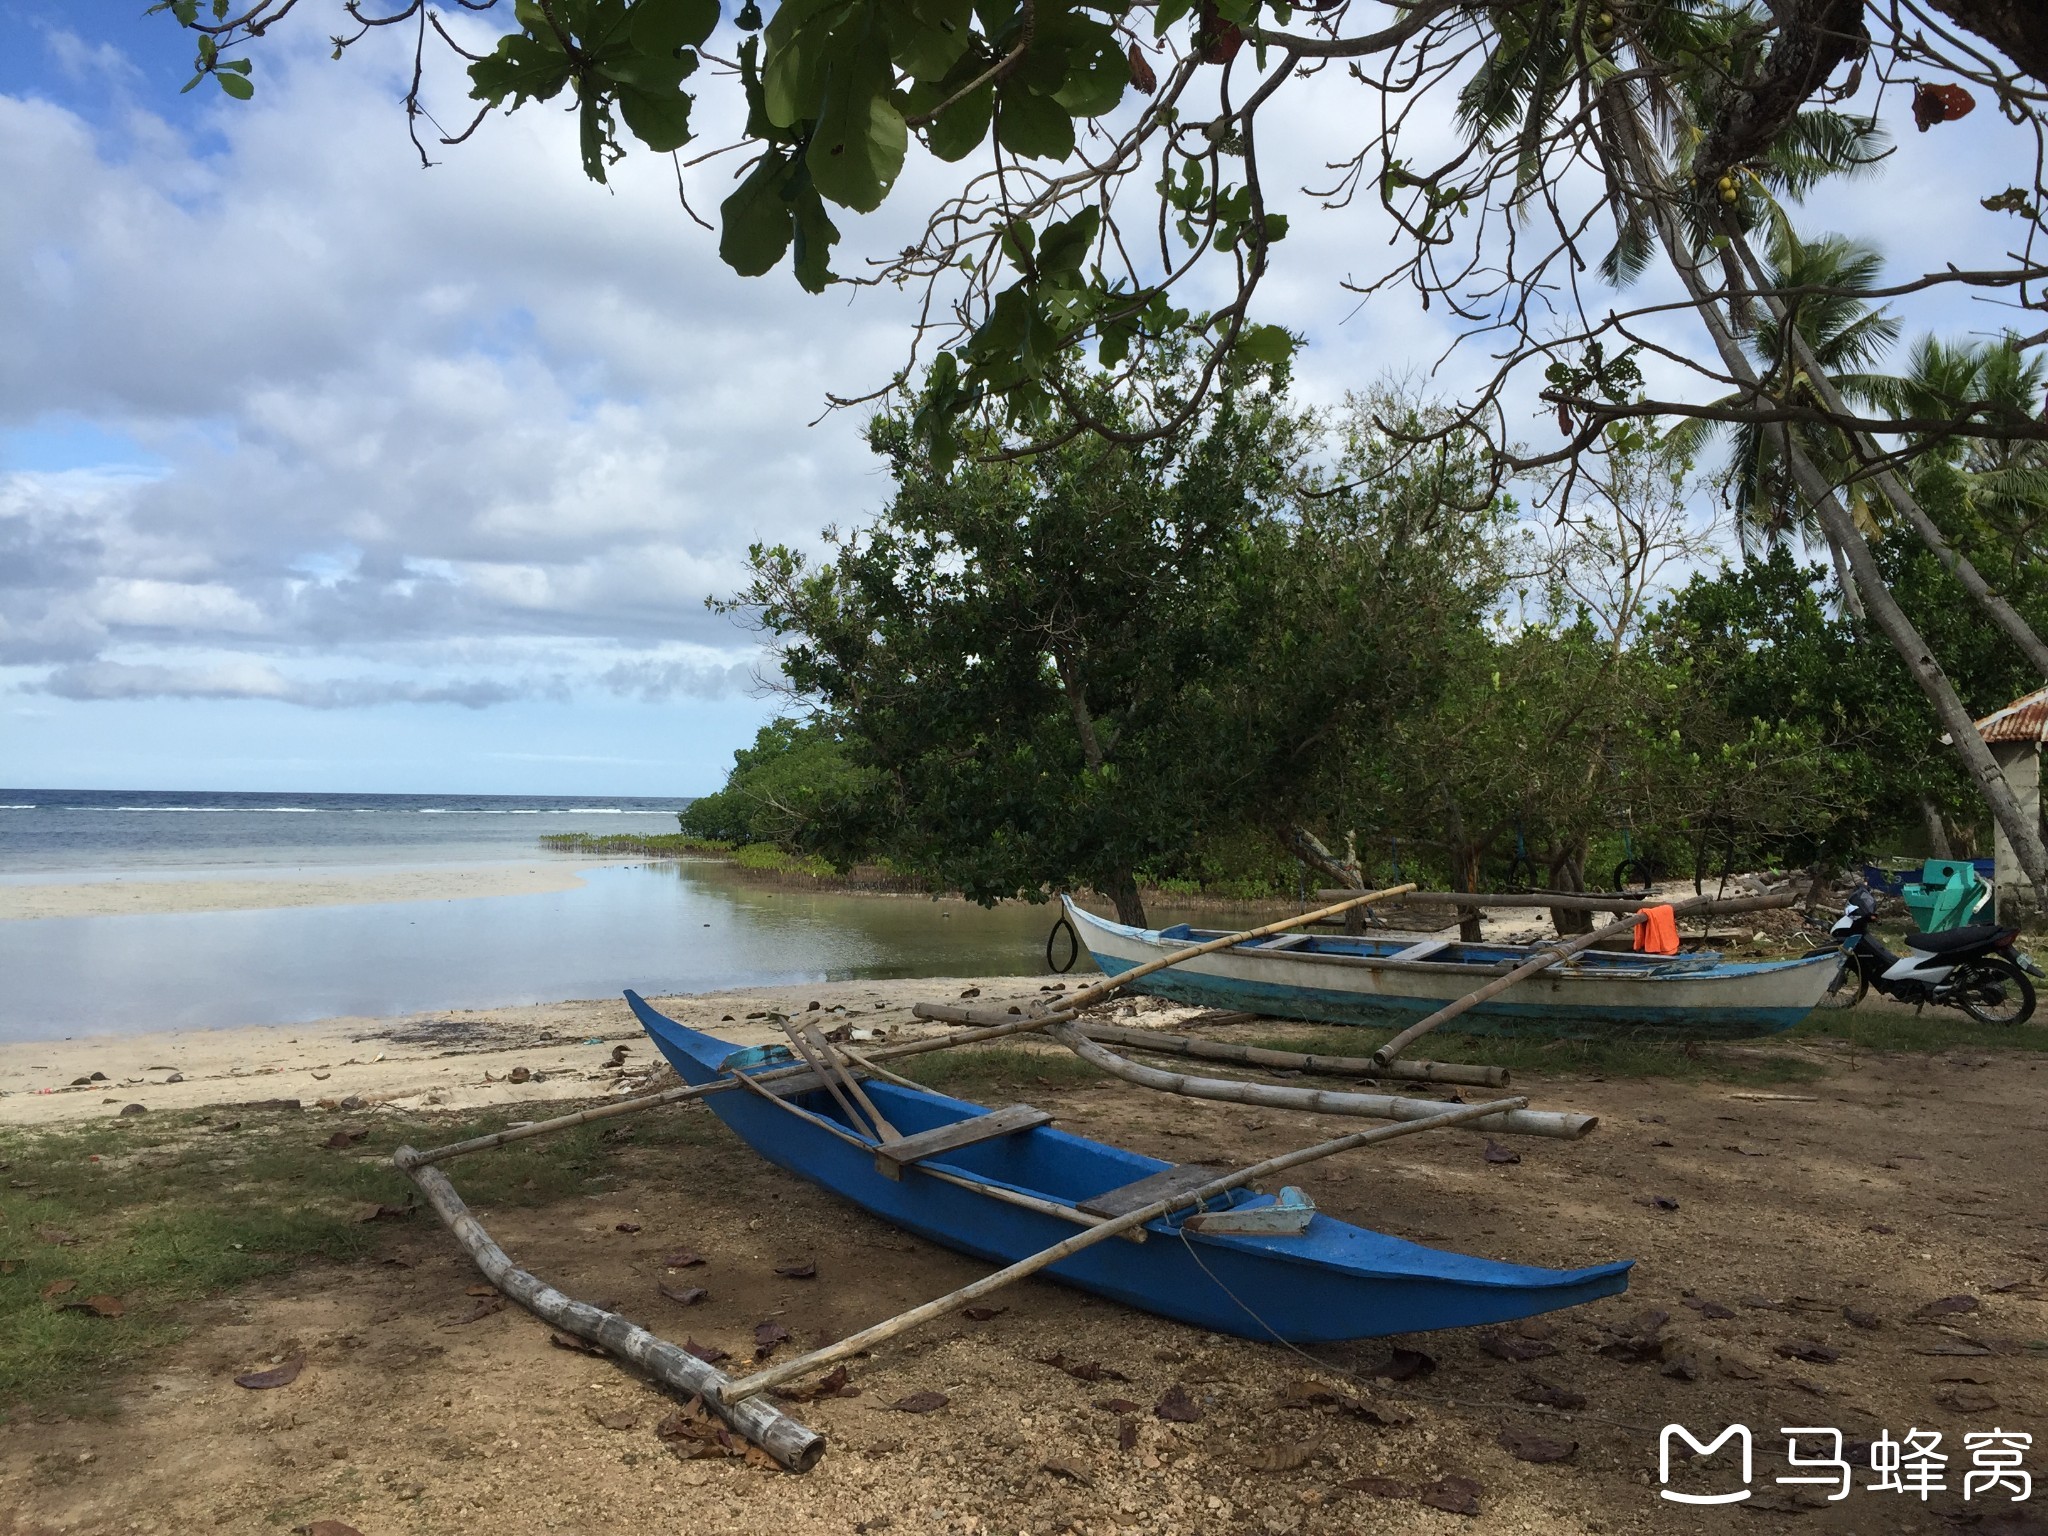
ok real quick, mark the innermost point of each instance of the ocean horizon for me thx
(86, 831)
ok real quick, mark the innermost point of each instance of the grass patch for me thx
(1939, 1029)
(988, 1070)
(171, 1209)
(1573, 1058)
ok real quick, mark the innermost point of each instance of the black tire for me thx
(1847, 989)
(1073, 943)
(1993, 990)
(1635, 868)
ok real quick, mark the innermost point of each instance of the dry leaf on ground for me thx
(277, 1376)
(1454, 1495)
(1525, 1445)
(1288, 1456)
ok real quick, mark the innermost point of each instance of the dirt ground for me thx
(1789, 1243)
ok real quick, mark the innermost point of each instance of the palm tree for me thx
(1998, 484)
(1846, 337)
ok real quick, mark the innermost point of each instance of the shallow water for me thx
(658, 928)
(686, 926)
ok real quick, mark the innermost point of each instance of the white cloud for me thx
(491, 415)
(490, 407)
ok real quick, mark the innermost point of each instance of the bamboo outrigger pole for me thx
(1454, 1072)
(1317, 1101)
(791, 1444)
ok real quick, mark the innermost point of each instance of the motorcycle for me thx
(1975, 968)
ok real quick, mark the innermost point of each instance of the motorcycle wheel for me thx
(1847, 989)
(1993, 990)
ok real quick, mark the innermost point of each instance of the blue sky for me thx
(321, 471)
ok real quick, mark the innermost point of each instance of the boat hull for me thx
(1334, 1281)
(1611, 998)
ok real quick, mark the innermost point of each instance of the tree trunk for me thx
(1894, 490)
(1307, 847)
(1123, 890)
(1568, 873)
(1883, 608)
(1937, 831)
(1464, 864)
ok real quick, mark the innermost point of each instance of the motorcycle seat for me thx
(1969, 936)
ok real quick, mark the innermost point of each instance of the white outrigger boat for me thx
(1392, 980)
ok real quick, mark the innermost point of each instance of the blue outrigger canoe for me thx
(1328, 1282)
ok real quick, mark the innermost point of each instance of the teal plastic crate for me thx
(1947, 895)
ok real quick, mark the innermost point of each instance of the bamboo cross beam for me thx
(1547, 957)
(687, 1094)
(867, 1338)
(1372, 1106)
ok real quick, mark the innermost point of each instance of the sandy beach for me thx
(1862, 1249)
(130, 895)
(453, 1059)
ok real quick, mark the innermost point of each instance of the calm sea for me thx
(674, 926)
(43, 831)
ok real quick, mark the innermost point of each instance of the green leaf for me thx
(190, 83)
(859, 140)
(521, 67)
(236, 86)
(756, 221)
(658, 28)
(659, 119)
(928, 37)
(1064, 246)
(958, 131)
(816, 234)
(591, 136)
(995, 16)
(1097, 69)
(239, 66)
(1036, 127)
(795, 56)
(1270, 344)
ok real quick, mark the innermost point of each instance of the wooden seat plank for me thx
(1142, 1192)
(892, 1157)
(1423, 950)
